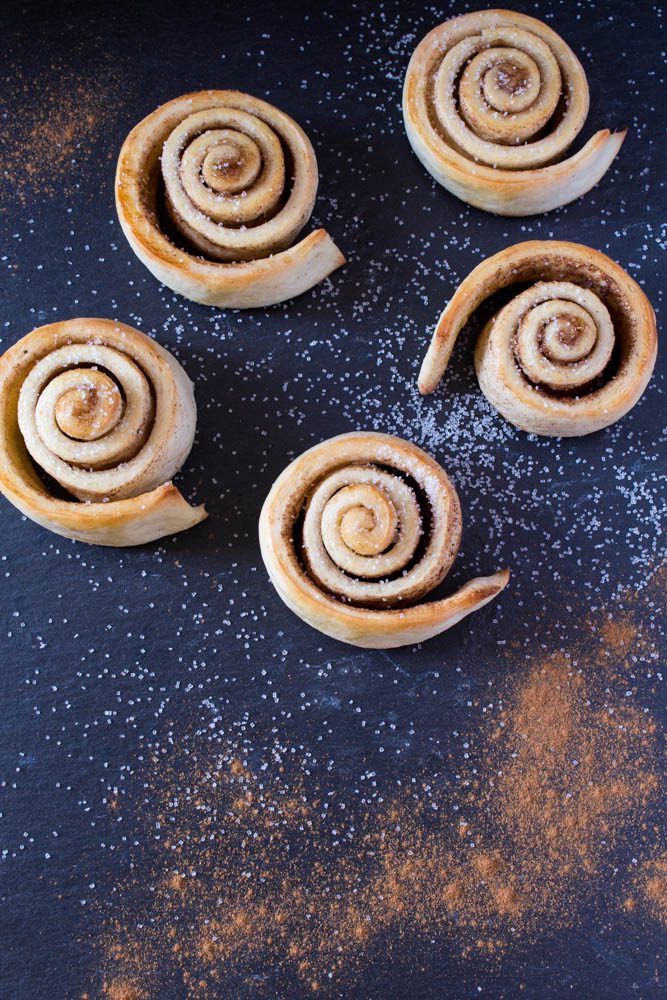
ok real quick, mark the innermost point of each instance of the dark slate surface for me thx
(103, 649)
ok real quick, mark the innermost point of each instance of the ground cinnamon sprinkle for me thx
(650, 888)
(52, 123)
(572, 769)
(119, 990)
(256, 869)
(654, 887)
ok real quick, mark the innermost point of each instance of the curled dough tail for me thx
(357, 531)
(99, 411)
(567, 356)
(212, 190)
(491, 103)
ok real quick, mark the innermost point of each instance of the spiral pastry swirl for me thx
(568, 355)
(108, 416)
(492, 101)
(357, 531)
(212, 190)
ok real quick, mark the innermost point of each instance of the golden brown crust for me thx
(517, 174)
(128, 503)
(575, 279)
(262, 273)
(372, 610)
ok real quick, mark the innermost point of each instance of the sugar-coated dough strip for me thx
(110, 416)
(570, 354)
(236, 181)
(357, 531)
(492, 101)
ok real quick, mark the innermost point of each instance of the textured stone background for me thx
(103, 650)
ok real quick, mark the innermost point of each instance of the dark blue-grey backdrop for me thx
(103, 649)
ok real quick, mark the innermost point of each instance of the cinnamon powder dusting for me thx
(53, 123)
(650, 889)
(654, 886)
(253, 867)
(119, 990)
